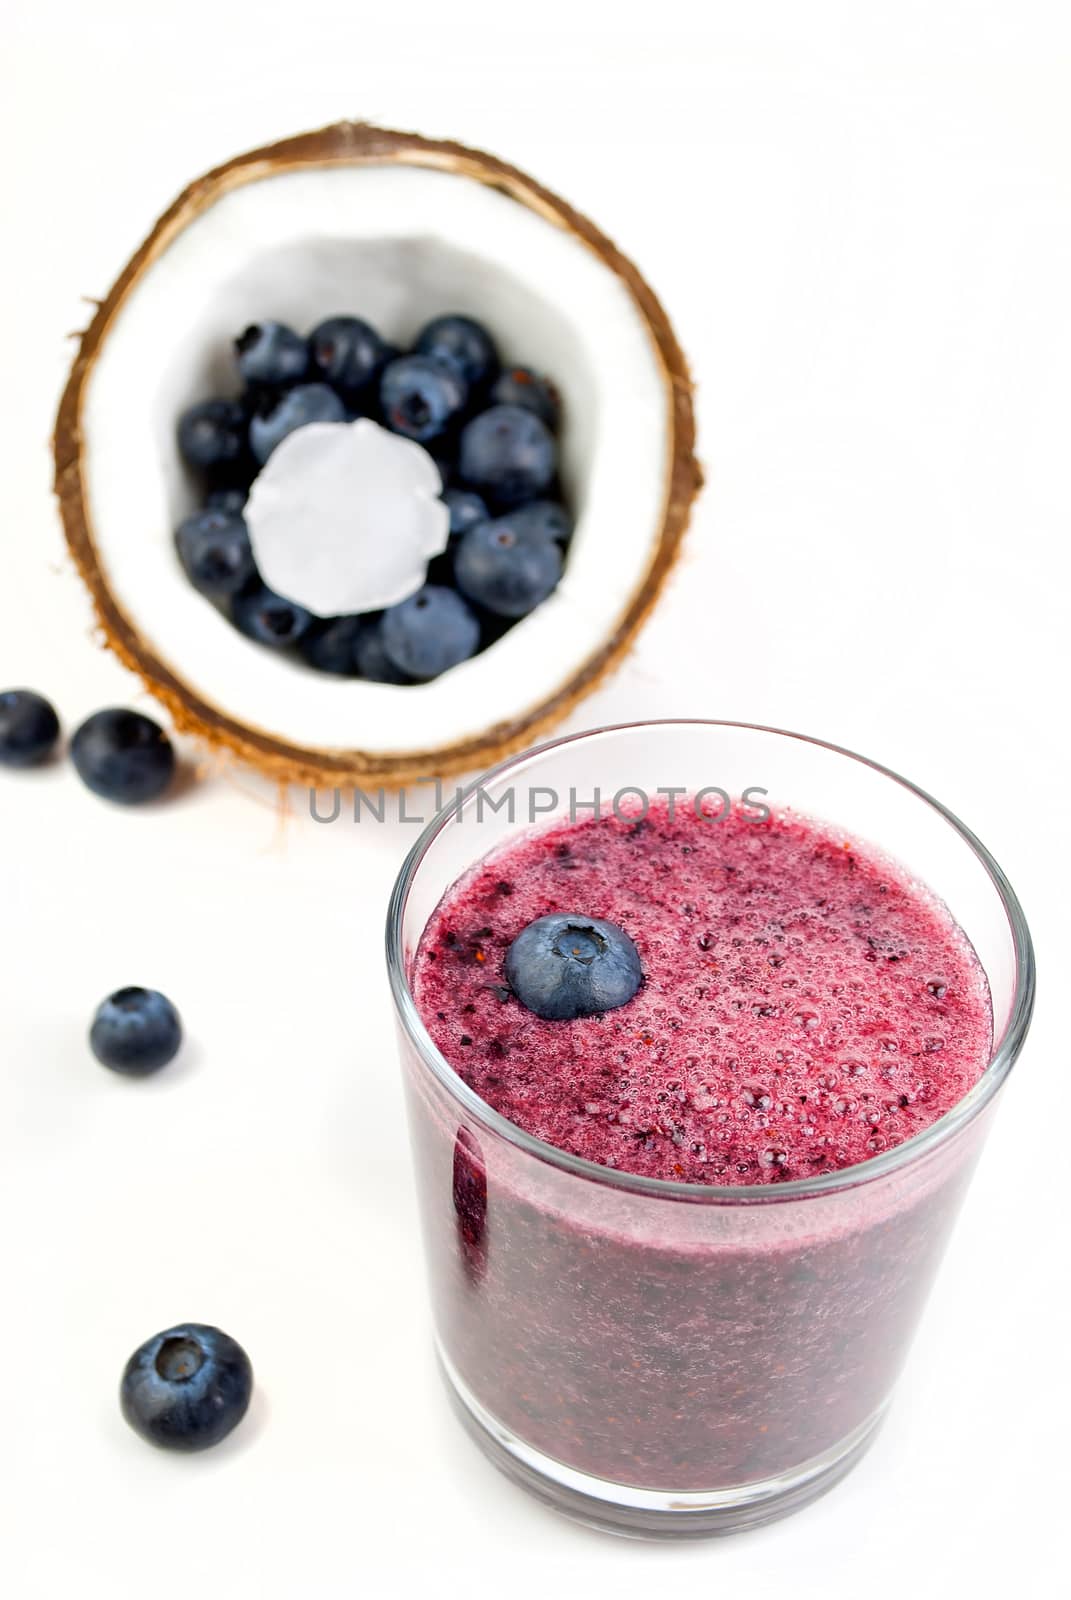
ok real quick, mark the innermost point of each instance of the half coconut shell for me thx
(292, 725)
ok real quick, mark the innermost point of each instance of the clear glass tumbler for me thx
(669, 1359)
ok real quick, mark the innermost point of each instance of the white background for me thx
(860, 217)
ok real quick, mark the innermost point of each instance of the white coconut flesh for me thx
(396, 245)
(345, 516)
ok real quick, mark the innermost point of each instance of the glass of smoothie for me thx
(702, 1027)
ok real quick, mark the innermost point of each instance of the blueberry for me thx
(270, 353)
(466, 509)
(519, 386)
(429, 633)
(470, 1202)
(420, 398)
(462, 344)
(123, 756)
(509, 455)
(214, 549)
(348, 354)
(506, 568)
(135, 1031)
(309, 402)
(213, 436)
(330, 646)
(546, 518)
(373, 663)
(231, 500)
(29, 728)
(186, 1388)
(269, 618)
(565, 966)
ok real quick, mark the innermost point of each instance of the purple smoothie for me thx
(805, 1006)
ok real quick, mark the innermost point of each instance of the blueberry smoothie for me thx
(742, 1002)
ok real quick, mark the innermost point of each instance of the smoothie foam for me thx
(806, 1005)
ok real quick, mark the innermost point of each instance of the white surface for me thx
(397, 245)
(318, 509)
(860, 219)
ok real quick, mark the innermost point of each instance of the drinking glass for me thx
(674, 1359)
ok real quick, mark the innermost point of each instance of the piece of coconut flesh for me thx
(344, 517)
(397, 245)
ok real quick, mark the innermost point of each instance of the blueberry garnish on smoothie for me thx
(566, 966)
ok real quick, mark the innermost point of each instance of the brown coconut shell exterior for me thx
(344, 144)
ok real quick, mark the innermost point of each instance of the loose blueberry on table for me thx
(186, 1388)
(491, 431)
(29, 728)
(123, 756)
(135, 1031)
